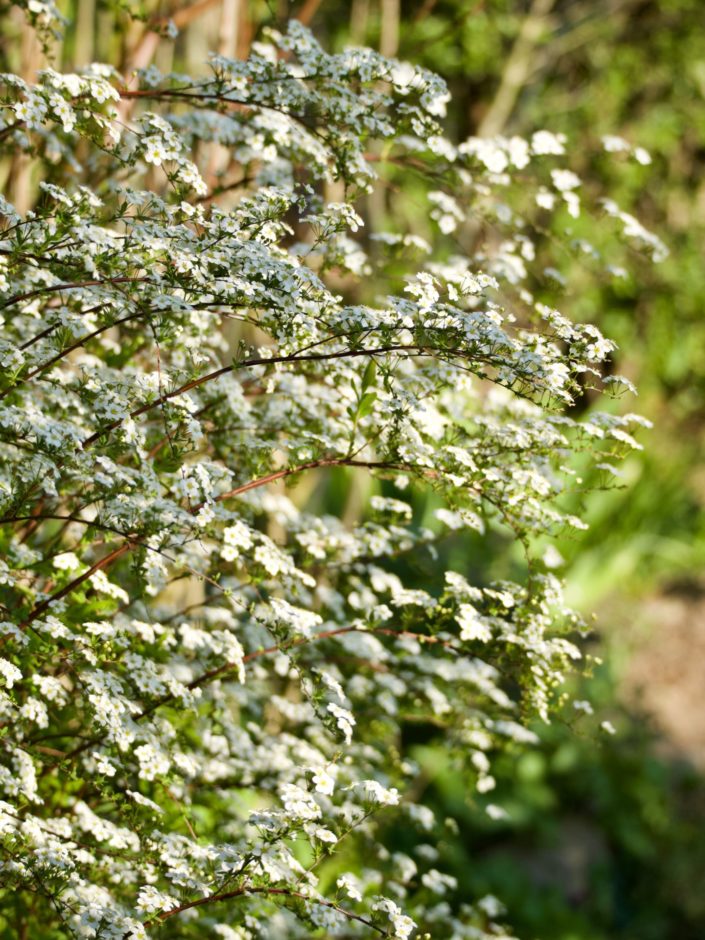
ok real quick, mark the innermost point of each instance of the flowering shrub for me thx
(202, 684)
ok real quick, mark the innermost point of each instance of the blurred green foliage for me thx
(603, 839)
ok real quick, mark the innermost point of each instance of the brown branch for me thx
(50, 329)
(18, 298)
(178, 94)
(206, 677)
(72, 585)
(145, 48)
(307, 11)
(312, 465)
(244, 890)
(65, 352)
(131, 540)
(250, 363)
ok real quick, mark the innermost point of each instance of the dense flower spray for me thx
(203, 685)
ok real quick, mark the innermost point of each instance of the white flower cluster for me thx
(200, 674)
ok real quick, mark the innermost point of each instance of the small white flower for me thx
(9, 673)
(545, 143)
(496, 812)
(376, 793)
(324, 782)
(325, 835)
(154, 152)
(472, 626)
(614, 144)
(351, 886)
(545, 200)
(66, 561)
(565, 180)
(150, 901)
(552, 558)
(205, 515)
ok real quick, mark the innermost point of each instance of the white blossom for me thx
(208, 654)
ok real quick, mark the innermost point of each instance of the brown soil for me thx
(665, 669)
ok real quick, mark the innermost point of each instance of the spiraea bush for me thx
(203, 684)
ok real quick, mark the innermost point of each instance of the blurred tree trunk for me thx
(390, 11)
(359, 17)
(19, 180)
(84, 48)
(517, 69)
(229, 28)
(390, 15)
